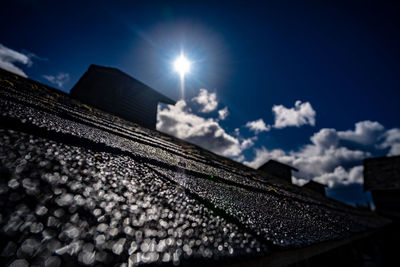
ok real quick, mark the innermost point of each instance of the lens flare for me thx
(182, 65)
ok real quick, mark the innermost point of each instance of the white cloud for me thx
(240, 158)
(325, 138)
(258, 126)
(300, 114)
(207, 100)
(178, 120)
(329, 160)
(60, 79)
(314, 161)
(365, 132)
(248, 142)
(9, 58)
(325, 159)
(223, 113)
(341, 176)
(311, 160)
(391, 140)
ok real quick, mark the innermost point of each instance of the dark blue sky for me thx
(341, 57)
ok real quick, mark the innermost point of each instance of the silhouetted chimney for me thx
(316, 187)
(382, 178)
(278, 169)
(111, 90)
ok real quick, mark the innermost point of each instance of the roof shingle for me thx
(86, 187)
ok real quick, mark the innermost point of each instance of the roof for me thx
(277, 163)
(382, 173)
(82, 186)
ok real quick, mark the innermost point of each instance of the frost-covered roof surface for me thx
(80, 186)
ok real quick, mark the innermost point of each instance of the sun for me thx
(182, 65)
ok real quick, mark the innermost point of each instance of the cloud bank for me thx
(179, 120)
(365, 133)
(335, 157)
(9, 59)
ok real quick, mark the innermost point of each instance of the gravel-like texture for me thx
(70, 204)
(79, 186)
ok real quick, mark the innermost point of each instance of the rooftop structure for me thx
(80, 186)
(382, 178)
(111, 90)
(316, 187)
(382, 173)
(278, 169)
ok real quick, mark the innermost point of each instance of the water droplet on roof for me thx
(119, 246)
(41, 210)
(72, 232)
(53, 261)
(13, 184)
(65, 200)
(19, 263)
